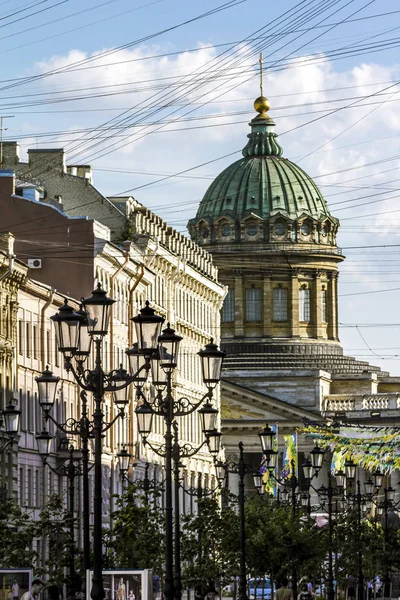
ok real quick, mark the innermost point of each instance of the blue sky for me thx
(331, 79)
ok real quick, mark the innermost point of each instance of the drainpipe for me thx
(111, 338)
(138, 279)
(42, 327)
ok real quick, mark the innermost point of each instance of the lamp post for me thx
(163, 364)
(70, 470)
(311, 468)
(75, 333)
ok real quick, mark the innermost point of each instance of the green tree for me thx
(210, 544)
(136, 540)
(17, 532)
(280, 542)
(53, 526)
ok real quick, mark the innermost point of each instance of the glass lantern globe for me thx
(44, 440)
(211, 364)
(137, 364)
(98, 307)
(214, 442)
(144, 416)
(148, 328)
(47, 388)
(317, 457)
(340, 477)
(124, 458)
(350, 469)
(267, 437)
(257, 480)
(119, 378)
(208, 418)
(308, 470)
(168, 348)
(84, 343)
(11, 415)
(66, 323)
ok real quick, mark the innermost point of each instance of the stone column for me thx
(316, 306)
(295, 305)
(332, 306)
(268, 306)
(239, 304)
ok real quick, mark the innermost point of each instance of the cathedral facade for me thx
(275, 243)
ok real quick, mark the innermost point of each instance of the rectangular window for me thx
(280, 304)
(22, 498)
(20, 337)
(304, 305)
(38, 498)
(253, 304)
(22, 407)
(28, 339)
(35, 342)
(323, 306)
(228, 308)
(30, 488)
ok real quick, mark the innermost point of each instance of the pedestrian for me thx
(33, 593)
(305, 593)
(351, 587)
(284, 593)
(15, 590)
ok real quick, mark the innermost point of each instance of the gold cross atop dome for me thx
(261, 104)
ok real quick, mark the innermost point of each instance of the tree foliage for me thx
(53, 526)
(136, 540)
(210, 544)
(17, 532)
(280, 541)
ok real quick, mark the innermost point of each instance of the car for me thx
(260, 589)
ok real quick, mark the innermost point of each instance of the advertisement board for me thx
(14, 583)
(124, 584)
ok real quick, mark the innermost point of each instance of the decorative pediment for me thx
(241, 403)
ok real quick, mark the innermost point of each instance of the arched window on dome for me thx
(304, 305)
(228, 308)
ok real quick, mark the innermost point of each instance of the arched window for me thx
(304, 305)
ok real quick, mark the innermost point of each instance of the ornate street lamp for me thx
(47, 388)
(75, 330)
(211, 364)
(97, 307)
(124, 459)
(44, 440)
(11, 415)
(148, 328)
(164, 360)
(267, 437)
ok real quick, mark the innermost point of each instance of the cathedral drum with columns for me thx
(275, 243)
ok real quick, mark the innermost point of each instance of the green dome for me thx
(262, 183)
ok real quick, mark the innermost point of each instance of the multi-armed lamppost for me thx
(75, 333)
(163, 364)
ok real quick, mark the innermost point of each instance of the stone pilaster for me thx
(333, 333)
(316, 307)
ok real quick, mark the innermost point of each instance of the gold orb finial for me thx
(262, 106)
